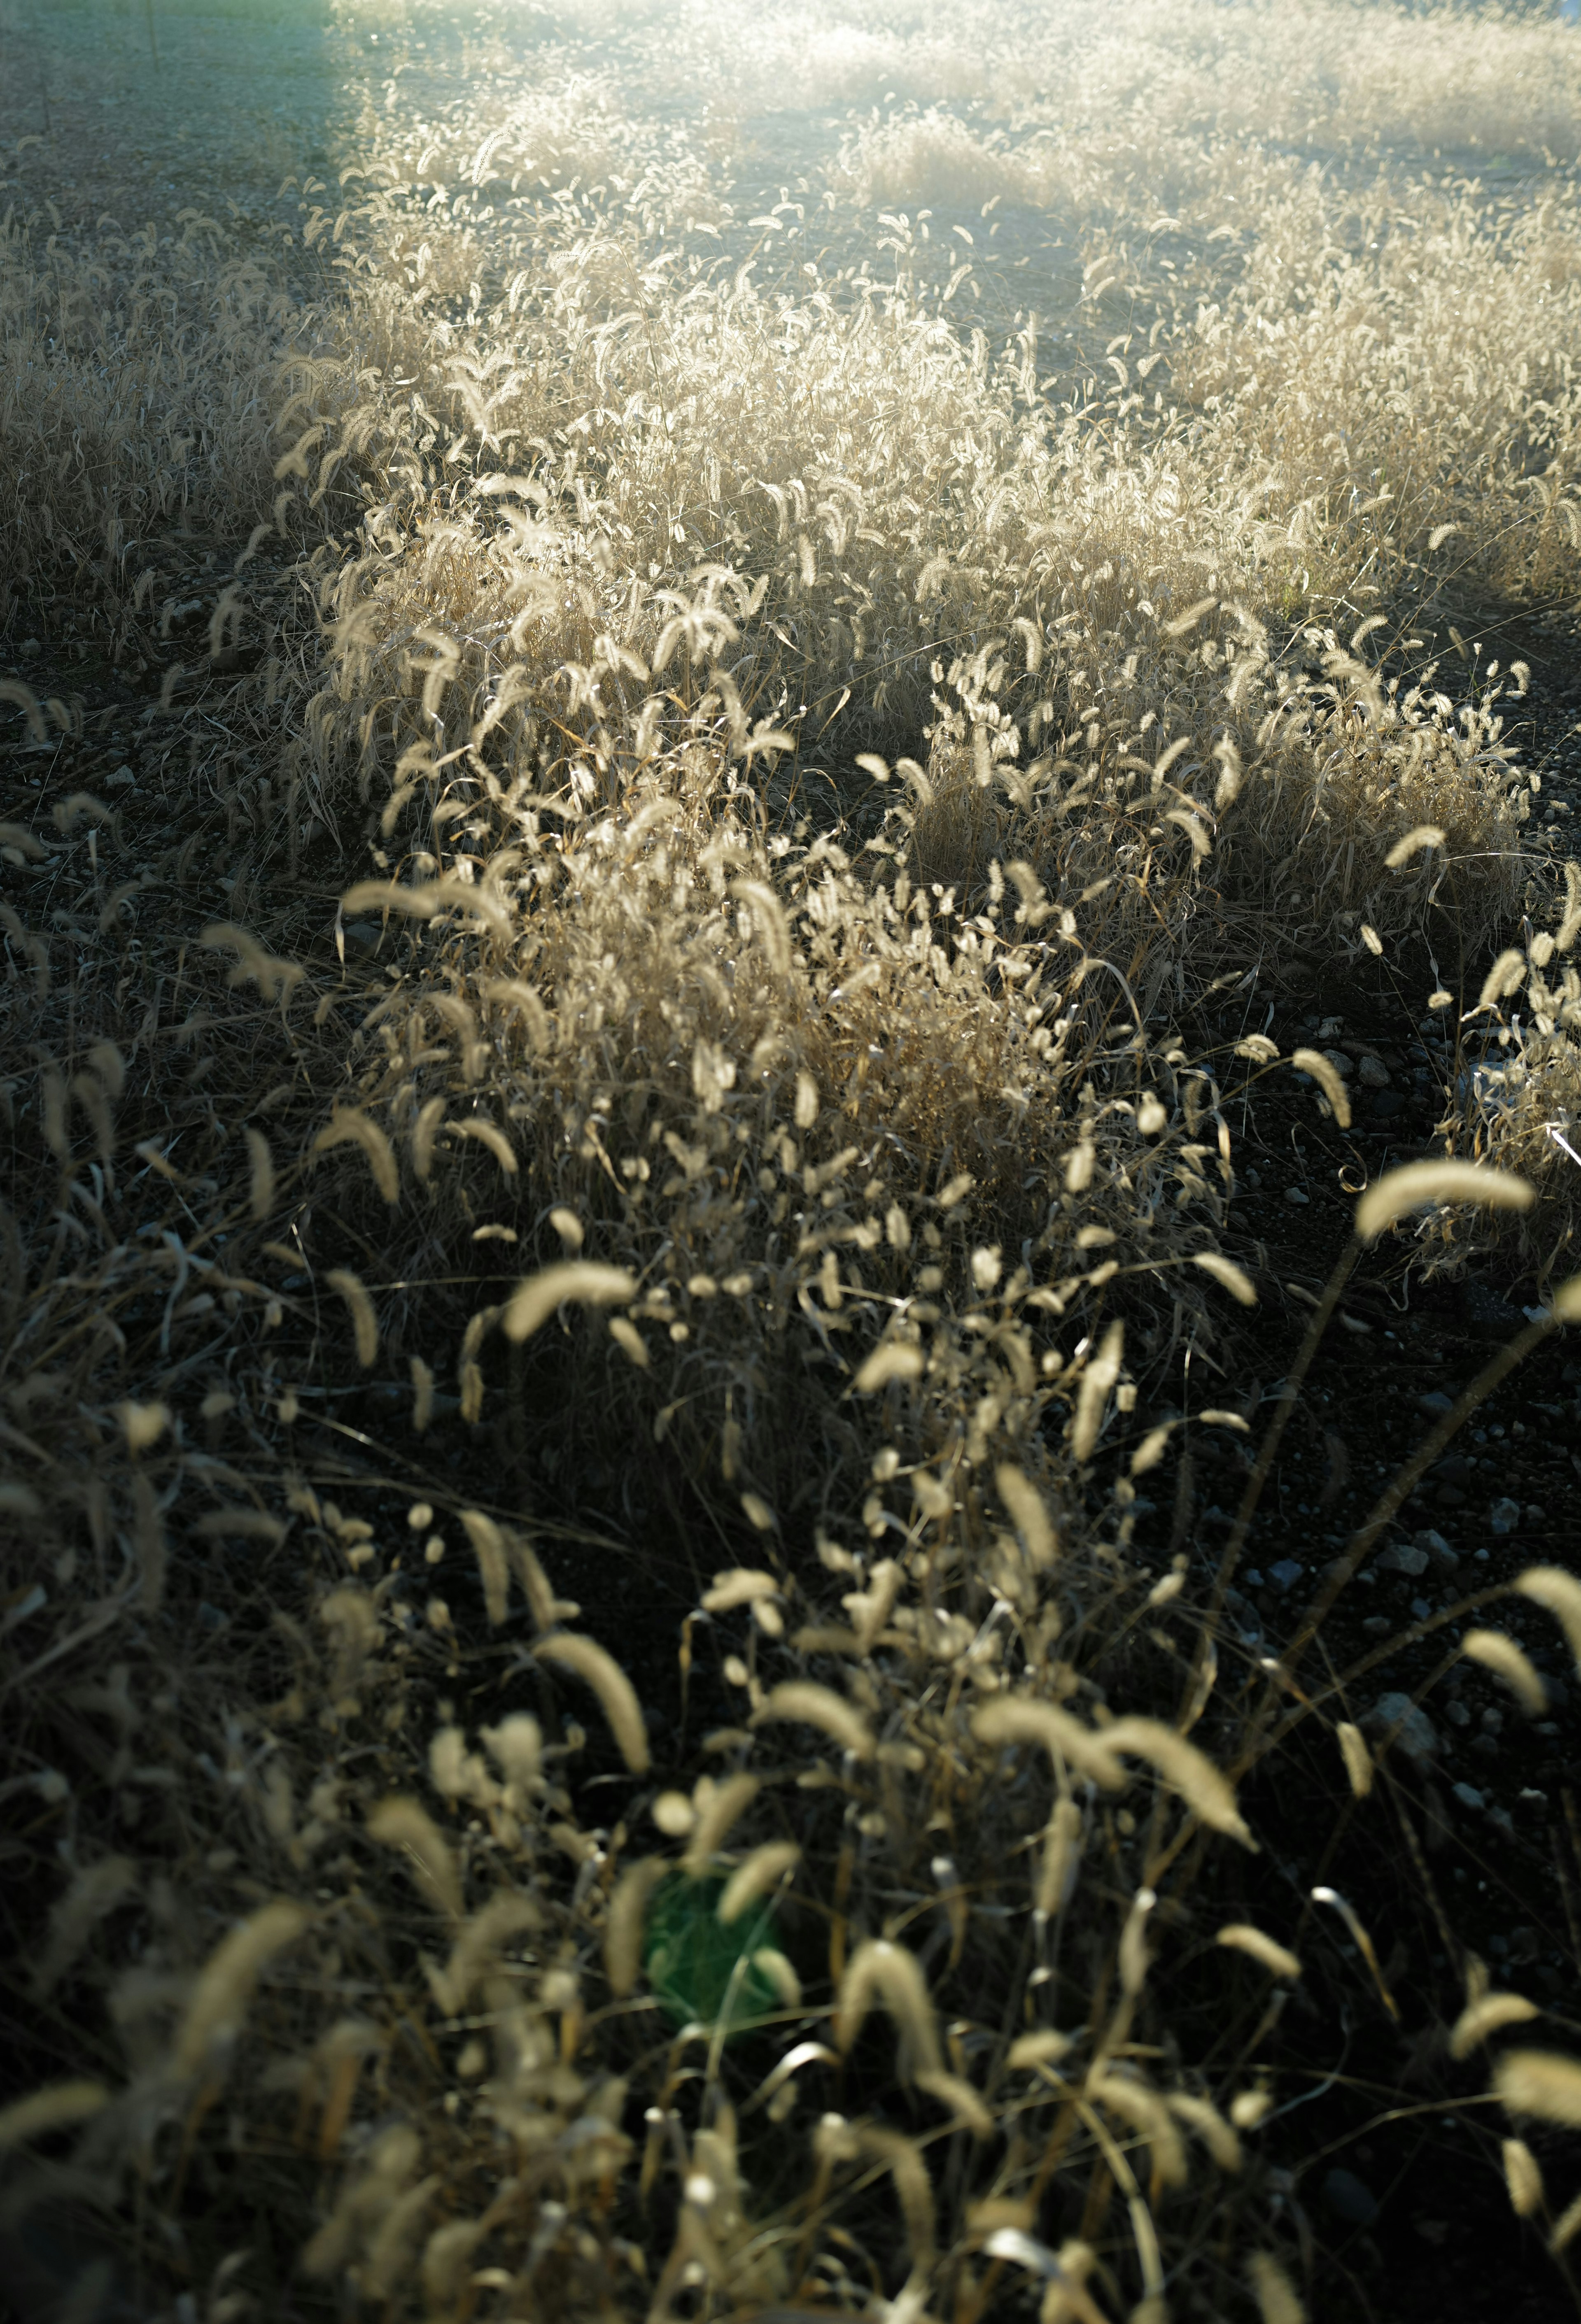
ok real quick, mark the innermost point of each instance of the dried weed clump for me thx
(138, 396)
(631, 1009)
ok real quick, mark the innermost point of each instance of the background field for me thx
(696, 707)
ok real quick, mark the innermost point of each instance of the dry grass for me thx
(652, 980)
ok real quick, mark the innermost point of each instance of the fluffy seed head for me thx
(261, 1198)
(1277, 2298)
(1523, 2178)
(1358, 1758)
(1567, 2227)
(1507, 976)
(225, 1981)
(1486, 2016)
(493, 1565)
(955, 2093)
(490, 1134)
(1026, 1506)
(762, 1870)
(58, 2108)
(1045, 2048)
(1142, 2109)
(349, 1127)
(1206, 1791)
(740, 1585)
(886, 1973)
(582, 1280)
(516, 1745)
(1102, 1371)
(1504, 1659)
(365, 1323)
(1417, 1184)
(1274, 1957)
(623, 1930)
(721, 1808)
(1235, 1280)
(618, 1697)
(811, 1705)
(1540, 2083)
(1060, 1860)
(1203, 2117)
(1423, 834)
(1314, 1062)
(1560, 1592)
(406, 1824)
(893, 1359)
(1134, 1957)
(142, 1425)
(1019, 1719)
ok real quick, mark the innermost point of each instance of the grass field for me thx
(753, 760)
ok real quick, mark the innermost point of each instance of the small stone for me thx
(1339, 1061)
(1468, 1795)
(1418, 1738)
(1298, 1194)
(1403, 1557)
(1505, 1516)
(1286, 1573)
(1535, 1513)
(1420, 1610)
(1437, 1549)
(1331, 1029)
(1435, 1403)
(1375, 1073)
(1387, 1105)
(1352, 2201)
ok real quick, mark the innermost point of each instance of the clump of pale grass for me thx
(810, 765)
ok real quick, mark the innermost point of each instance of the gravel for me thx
(1418, 1736)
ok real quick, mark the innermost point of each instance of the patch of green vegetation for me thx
(704, 1971)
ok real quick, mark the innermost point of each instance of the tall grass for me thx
(627, 1028)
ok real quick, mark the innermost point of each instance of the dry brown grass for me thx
(663, 1006)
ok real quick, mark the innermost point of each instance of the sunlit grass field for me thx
(661, 667)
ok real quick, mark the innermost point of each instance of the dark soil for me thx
(1477, 1844)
